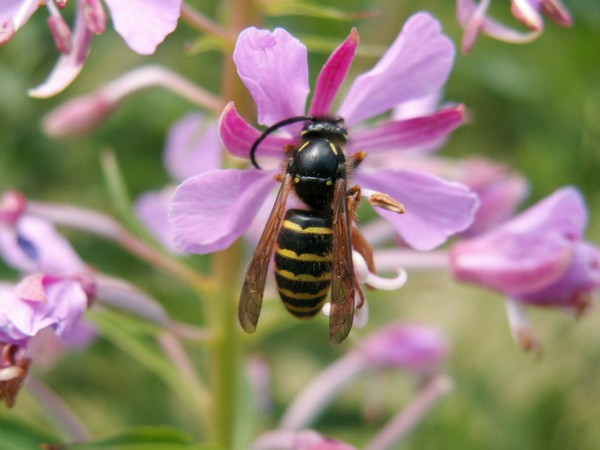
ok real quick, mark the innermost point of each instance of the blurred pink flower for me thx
(473, 18)
(143, 24)
(39, 302)
(539, 257)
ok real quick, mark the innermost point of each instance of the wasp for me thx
(312, 246)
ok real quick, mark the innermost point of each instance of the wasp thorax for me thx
(315, 169)
(330, 129)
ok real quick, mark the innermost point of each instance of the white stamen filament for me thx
(520, 326)
(366, 277)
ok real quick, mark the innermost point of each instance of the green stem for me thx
(226, 358)
(226, 361)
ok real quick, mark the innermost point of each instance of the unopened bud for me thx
(12, 207)
(525, 13)
(61, 33)
(79, 116)
(557, 12)
(94, 15)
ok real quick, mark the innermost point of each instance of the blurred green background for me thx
(536, 107)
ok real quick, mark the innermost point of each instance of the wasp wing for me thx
(342, 280)
(256, 276)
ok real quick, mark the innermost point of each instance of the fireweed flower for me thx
(473, 18)
(37, 303)
(142, 24)
(31, 244)
(210, 211)
(538, 258)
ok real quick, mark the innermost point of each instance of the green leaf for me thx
(315, 11)
(18, 435)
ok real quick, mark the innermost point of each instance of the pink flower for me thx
(210, 211)
(40, 302)
(31, 244)
(143, 24)
(473, 18)
(537, 258)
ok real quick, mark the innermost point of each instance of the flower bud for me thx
(12, 207)
(78, 116)
(94, 16)
(61, 33)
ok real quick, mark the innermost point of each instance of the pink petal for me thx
(192, 147)
(465, 9)
(36, 246)
(416, 65)
(31, 288)
(210, 211)
(581, 278)
(333, 75)
(418, 107)
(528, 252)
(435, 209)
(415, 348)
(62, 309)
(68, 66)
(409, 133)
(274, 68)
(238, 136)
(17, 13)
(153, 210)
(144, 24)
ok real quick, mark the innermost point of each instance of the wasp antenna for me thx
(270, 130)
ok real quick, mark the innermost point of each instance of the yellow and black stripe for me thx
(303, 261)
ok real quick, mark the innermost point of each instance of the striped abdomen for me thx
(303, 261)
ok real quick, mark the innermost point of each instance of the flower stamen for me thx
(381, 200)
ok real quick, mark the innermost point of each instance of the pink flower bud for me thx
(527, 13)
(12, 207)
(557, 12)
(61, 33)
(79, 116)
(415, 348)
(94, 16)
